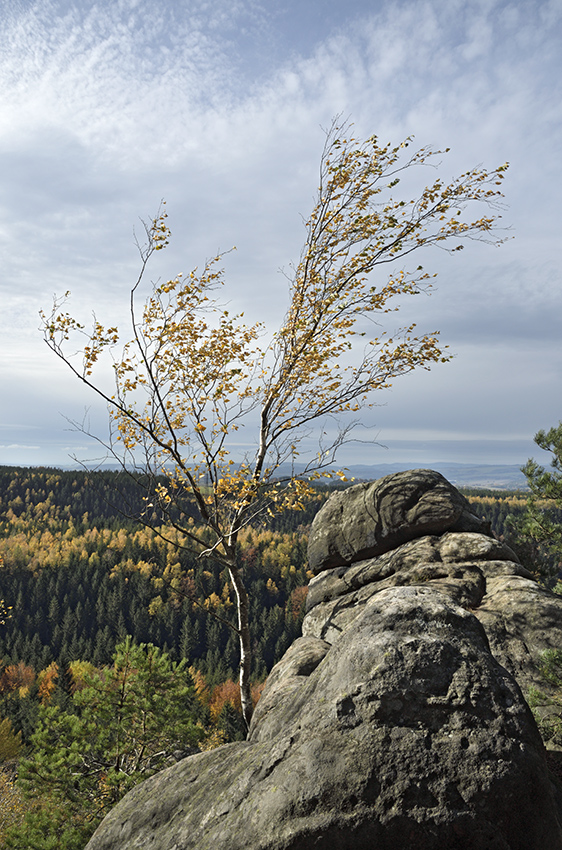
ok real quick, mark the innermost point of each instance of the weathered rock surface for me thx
(457, 564)
(397, 720)
(369, 519)
(521, 618)
(407, 733)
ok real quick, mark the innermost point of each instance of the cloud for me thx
(110, 106)
(21, 446)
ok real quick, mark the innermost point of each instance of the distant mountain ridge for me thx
(487, 476)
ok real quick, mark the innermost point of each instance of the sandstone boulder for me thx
(369, 519)
(458, 564)
(405, 733)
(521, 618)
(397, 719)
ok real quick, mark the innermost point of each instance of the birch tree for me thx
(191, 373)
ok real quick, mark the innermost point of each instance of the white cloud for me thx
(20, 446)
(109, 106)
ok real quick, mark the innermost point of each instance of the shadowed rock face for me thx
(390, 723)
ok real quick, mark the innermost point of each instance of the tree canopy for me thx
(539, 528)
(191, 374)
(125, 722)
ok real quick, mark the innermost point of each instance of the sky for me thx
(220, 108)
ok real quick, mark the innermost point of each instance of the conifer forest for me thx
(95, 602)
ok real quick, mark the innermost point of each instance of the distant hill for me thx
(486, 476)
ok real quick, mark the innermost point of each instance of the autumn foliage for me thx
(191, 374)
(17, 678)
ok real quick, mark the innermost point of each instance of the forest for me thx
(84, 584)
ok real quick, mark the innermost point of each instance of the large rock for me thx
(405, 733)
(419, 561)
(521, 619)
(459, 558)
(397, 720)
(458, 564)
(369, 519)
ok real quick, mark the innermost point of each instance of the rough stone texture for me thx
(369, 519)
(478, 572)
(397, 720)
(405, 733)
(451, 548)
(521, 620)
(285, 680)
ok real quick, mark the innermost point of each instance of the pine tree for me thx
(122, 726)
(539, 529)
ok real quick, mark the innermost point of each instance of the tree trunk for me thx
(245, 645)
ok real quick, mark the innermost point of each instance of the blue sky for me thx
(218, 107)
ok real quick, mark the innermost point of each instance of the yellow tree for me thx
(4, 612)
(191, 373)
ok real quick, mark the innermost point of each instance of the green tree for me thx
(124, 724)
(547, 708)
(539, 528)
(192, 374)
(10, 741)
